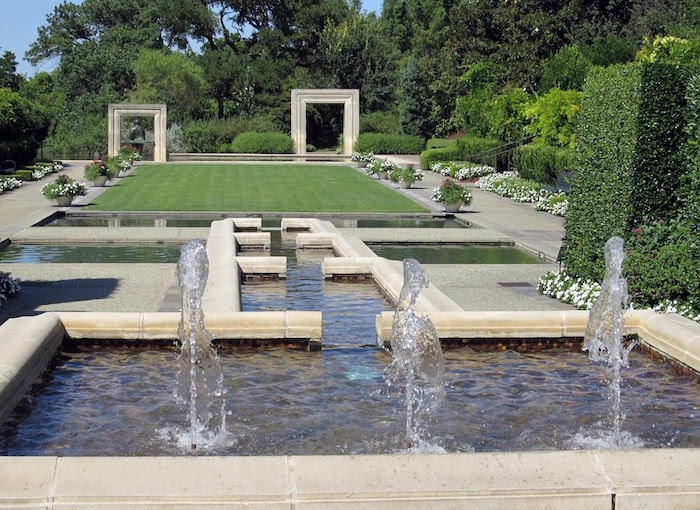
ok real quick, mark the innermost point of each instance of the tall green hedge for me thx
(600, 203)
(541, 163)
(636, 165)
(467, 148)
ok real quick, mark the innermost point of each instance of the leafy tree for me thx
(8, 72)
(170, 78)
(505, 115)
(414, 111)
(552, 116)
(471, 111)
(566, 69)
(670, 50)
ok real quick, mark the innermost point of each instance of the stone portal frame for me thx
(158, 111)
(350, 98)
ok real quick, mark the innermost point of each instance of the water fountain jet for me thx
(417, 363)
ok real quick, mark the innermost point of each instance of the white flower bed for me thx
(510, 185)
(553, 203)
(461, 171)
(583, 294)
(9, 286)
(9, 183)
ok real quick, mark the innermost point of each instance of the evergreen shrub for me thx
(636, 163)
(541, 163)
(382, 143)
(263, 143)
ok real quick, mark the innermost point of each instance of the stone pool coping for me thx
(571, 480)
(639, 479)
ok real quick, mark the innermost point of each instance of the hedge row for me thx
(541, 163)
(468, 148)
(262, 143)
(636, 160)
(380, 143)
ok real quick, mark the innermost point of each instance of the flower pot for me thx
(405, 184)
(64, 200)
(452, 206)
(382, 175)
(362, 164)
(100, 180)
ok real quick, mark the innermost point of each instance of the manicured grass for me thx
(241, 187)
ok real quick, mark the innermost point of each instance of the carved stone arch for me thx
(158, 111)
(350, 98)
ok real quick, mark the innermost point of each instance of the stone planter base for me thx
(453, 207)
(64, 201)
(100, 181)
(405, 185)
(382, 175)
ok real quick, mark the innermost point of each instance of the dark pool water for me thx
(456, 254)
(120, 401)
(90, 254)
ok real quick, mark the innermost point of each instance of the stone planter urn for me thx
(100, 180)
(64, 200)
(405, 184)
(362, 164)
(382, 175)
(452, 207)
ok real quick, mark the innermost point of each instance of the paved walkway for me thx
(145, 287)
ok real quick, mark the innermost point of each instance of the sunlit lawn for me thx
(242, 187)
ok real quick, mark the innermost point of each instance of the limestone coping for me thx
(571, 480)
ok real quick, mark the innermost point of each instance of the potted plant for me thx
(98, 172)
(362, 158)
(451, 195)
(405, 177)
(63, 189)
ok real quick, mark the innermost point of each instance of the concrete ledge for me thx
(256, 240)
(571, 480)
(263, 265)
(223, 289)
(163, 326)
(27, 345)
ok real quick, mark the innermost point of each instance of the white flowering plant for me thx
(583, 294)
(556, 203)
(451, 192)
(461, 170)
(9, 286)
(9, 183)
(409, 174)
(362, 157)
(63, 186)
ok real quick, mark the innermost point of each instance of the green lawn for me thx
(241, 187)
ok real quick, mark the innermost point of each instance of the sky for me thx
(20, 21)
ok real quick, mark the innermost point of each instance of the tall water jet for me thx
(200, 378)
(604, 337)
(418, 364)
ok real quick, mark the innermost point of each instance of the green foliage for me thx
(505, 115)
(215, 135)
(263, 143)
(541, 163)
(609, 50)
(23, 175)
(552, 116)
(438, 143)
(662, 262)
(431, 156)
(170, 78)
(23, 126)
(380, 143)
(414, 106)
(661, 159)
(566, 69)
(601, 198)
(636, 166)
(473, 148)
(380, 122)
(670, 50)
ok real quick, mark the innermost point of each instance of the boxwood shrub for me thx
(541, 163)
(263, 143)
(381, 143)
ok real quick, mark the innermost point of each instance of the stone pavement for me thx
(149, 287)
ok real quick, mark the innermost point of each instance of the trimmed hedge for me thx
(541, 163)
(263, 143)
(381, 143)
(636, 162)
(467, 148)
